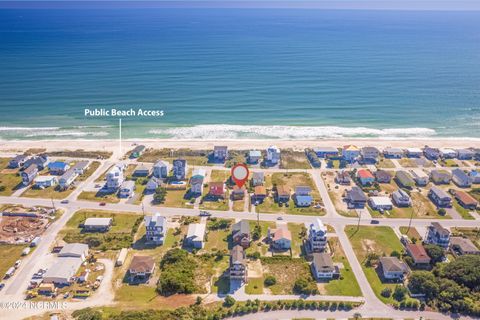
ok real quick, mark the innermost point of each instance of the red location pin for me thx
(240, 174)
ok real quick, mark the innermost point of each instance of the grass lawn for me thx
(290, 159)
(119, 236)
(334, 196)
(217, 240)
(9, 179)
(9, 253)
(465, 213)
(346, 284)
(47, 193)
(254, 286)
(475, 192)
(286, 271)
(220, 205)
(385, 164)
(297, 240)
(412, 233)
(380, 240)
(259, 245)
(219, 175)
(193, 157)
(408, 163)
(238, 205)
(236, 156)
(91, 169)
(177, 199)
(449, 163)
(98, 197)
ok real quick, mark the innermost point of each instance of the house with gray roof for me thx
(161, 169)
(155, 229)
(436, 234)
(241, 233)
(461, 179)
(440, 176)
(393, 268)
(440, 197)
(322, 266)
(404, 179)
(238, 264)
(355, 198)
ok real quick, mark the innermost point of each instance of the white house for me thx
(114, 178)
(401, 198)
(127, 189)
(156, 228)
(380, 203)
(393, 153)
(393, 268)
(97, 224)
(74, 250)
(195, 235)
(350, 153)
(322, 266)
(67, 178)
(45, 181)
(81, 166)
(273, 155)
(465, 154)
(447, 153)
(160, 169)
(420, 177)
(414, 152)
(254, 156)
(317, 235)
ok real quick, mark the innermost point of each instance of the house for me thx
(383, 176)
(260, 193)
(475, 176)
(220, 153)
(137, 152)
(97, 224)
(465, 199)
(461, 179)
(74, 250)
(343, 178)
(67, 178)
(254, 156)
(180, 169)
(380, 203)
(355, 198)
(401, 198)
(418, 254)
(155, 229)
(196, 184)
(45, 181)
(369, 154)
(141, 268)
(62, 271)
(440, 198)
(302, 190)
(420, 177)
(142, 171)
(40, 161)
(322, 266)
(258, 178)
(17, 161)
(414, 152)
(241, 233)
(114, 178)
(440, 176)
(283, 194)
(81, 166)
(404, 179)
(195, 235)
(431, 153)
(350, 153)
(393, 153)
(436, 234)
(127, 189)
(238, 264)
(238, 193)
(217, 190)
(326, 152)
(58, 167)
(280, 238)
(317, 235)
(365, 177)
(461, 246)
(446, 153)
(47, 289)
(465, 154)
(29, 174)
(273, 155)
(393, 268)
(153, 184)
(161, 169)
(302, 196)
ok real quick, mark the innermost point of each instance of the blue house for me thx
(58, 167)
(325, 152)
(180, 169)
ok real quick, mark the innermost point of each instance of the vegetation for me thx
(80, 153)
(9, 253)
(177, 273)
(435, 253)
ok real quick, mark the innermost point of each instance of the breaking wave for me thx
(224, 131)
(37, 132)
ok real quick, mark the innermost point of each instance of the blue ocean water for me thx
(240, 73)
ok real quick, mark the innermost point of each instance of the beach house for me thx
(217, 190)
(420, 177)
(302, 196)
(17, 161)
(238, 264)
(380, 203)
(461, 246)
(127, 189)
(29, 174)
(260, 193)
(365, 177)
(465, 199)
(393, 269)
(436, 234)
(431, 153)
(325, 152)
(142, 170)
(273, 155)
(180, 169)
(343, 178)
(418, 254)
(282, 194)
(465, 154)
(152, 184)
(97, 224)
(141, 268)
(447, 153)
(316, 235)
(461, 179)
(350, 153)
(58, 167)
(254, 156)
(161, 169)
(195, 235)
(67, 179)
(279, 238)
(440, 176)
(393, 153)
(258, 178)
(401, 198)
(355, 198)
(137, 152)
(475, 176)
(40, 161)
(220, 153)
(241, 233)
(404, 180)
(440, 198)
(414, 152)
(382, 176)
(155, 229)
(114, 178)
(81, 166)
(42, 182)
(196, 184)
(238, 193)
(369, 155)
(322, 266)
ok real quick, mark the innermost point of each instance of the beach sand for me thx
(114, 145)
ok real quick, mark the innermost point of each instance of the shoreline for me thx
(113, 145)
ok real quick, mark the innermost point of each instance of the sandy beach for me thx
(114, 145)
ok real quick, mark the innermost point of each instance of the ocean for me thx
(240, 73)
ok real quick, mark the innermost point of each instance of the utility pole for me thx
(53, 205)
(359, 217)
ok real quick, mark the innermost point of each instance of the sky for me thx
(449, 5)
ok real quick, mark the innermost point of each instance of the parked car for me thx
(374, 222)
(102, 204)
(204, 213)
(2, 285)
(64, 202)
